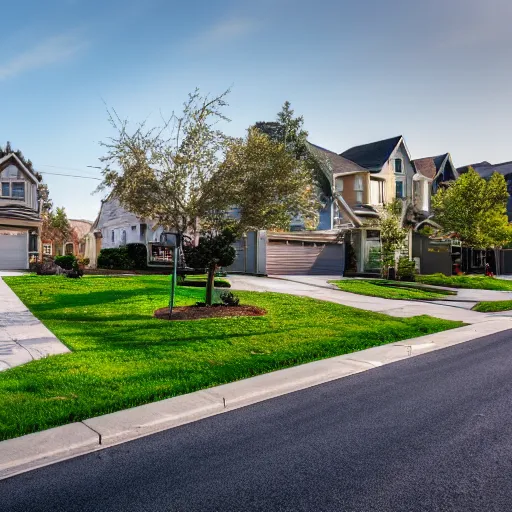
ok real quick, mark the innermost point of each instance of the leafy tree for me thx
(393, 234)
(266, 183)
(56, 226)
(161, 173)
(212, 251)
(475, 210)
(287, 130)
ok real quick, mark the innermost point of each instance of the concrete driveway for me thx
(317, 287)
(23, 338)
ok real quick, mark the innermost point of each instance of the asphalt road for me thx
(430, 433)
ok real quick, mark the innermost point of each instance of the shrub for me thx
(83, 261)
(116, 258)
(66, 262)
(138, 256)
(406, 270)
(127, 257)
(229, 299)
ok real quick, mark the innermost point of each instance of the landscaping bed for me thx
(477, 282)
(389, 289)
(123, 357)
(493, 306)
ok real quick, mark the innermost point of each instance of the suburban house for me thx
(20, 218)
(439, 169)
(76, 244)
(390, 175)
(115, 226)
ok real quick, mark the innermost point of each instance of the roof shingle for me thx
(374, 155)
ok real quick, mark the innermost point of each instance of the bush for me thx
(229, 299)
(406, 270)
(138, 256)
(127, 257)
(66, 262)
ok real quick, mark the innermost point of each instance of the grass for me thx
(478, 282)
(387, 290)
(122, 357)
(493, 306)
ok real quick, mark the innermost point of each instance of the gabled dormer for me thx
(390, 166)
(18, 185)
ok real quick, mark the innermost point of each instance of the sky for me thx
(437, 72)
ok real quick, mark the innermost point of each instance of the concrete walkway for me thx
(317, 287)
(23, 338)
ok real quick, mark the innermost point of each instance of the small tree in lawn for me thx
(475, 210)
(392, 233)
(212, 251)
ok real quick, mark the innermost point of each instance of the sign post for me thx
(172, 241)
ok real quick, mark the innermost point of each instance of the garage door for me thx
(304, 259)
(13, 250)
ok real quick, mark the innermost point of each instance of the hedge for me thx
(126, 257)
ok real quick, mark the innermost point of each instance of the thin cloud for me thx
(46, 53)
(223, 32)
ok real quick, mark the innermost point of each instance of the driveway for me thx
(23, 338)
(317, 287)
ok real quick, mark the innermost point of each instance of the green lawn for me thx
(493, 306)
(386, 290)
(122, 357)
(479, 282)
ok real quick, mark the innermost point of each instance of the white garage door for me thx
(13, 250)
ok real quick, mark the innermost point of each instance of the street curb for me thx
(57, 444)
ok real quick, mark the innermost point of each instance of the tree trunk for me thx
(210, 283)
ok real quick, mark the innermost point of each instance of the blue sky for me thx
(437, 72)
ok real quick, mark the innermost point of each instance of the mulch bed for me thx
(198, 312)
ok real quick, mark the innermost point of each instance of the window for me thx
(358, 188)
(143, 232)
(134, 228)
(400, 192)
(11, 171)
(13, 189)
(123, 237)
(377, 191)
(68, 249)
(339, 185)
(18, 190)
(112, 237)
(47, 249)
(398, 166)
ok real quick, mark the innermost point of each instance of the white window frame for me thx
(402, 171)
(10, 182)
(47, 249)
(358, 188)
(380, 188)
(338, 184)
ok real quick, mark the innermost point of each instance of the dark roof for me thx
(373, 155)
(18, 212)
(430, 165)
(486, 169)
(336, 163)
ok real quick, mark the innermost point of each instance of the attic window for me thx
(398, 166)
(11, 171)
(13, 189)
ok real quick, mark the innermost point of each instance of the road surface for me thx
(430, 433)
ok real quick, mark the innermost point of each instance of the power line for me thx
(71, 175)
(67, 168)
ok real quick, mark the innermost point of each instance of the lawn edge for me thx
(57, 444)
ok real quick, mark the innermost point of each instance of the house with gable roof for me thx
(391, 175)
(20, 215)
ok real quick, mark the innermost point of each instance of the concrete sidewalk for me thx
(317, 287)
(23, 338)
